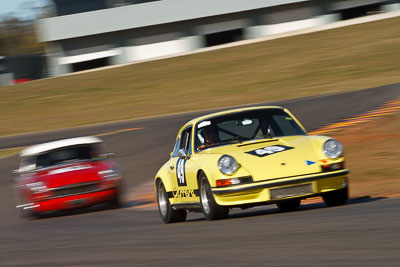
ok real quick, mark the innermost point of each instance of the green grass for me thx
(9, 152)
(349, 58)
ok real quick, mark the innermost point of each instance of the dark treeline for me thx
(18, 37)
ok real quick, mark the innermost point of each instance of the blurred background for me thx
(133, 71)
(47, 38)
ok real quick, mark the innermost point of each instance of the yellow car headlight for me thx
(333, 149)
(227, 165)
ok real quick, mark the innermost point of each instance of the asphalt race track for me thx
(365, 232)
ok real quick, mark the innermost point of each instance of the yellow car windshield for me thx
(243, 126)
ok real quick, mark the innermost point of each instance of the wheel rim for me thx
(162, 199)
(204, 196)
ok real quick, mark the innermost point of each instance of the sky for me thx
(23, 9)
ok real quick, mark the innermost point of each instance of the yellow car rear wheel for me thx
(167, 212)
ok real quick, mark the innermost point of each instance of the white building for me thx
(95, 33)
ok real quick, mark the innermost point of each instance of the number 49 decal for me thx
(269, 150)
(180, 172)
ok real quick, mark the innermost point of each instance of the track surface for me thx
(365, 232)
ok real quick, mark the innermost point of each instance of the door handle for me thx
(171, 167)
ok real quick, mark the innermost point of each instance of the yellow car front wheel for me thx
(289, 205)
(211, 210)
(337, 197)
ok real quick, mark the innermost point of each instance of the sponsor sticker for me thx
(184, 193)
(269, 150)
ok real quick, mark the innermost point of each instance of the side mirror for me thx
(183, 154)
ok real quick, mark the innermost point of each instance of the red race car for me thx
(66, 174)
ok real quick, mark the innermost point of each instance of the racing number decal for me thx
(180, 172)
(269, 150)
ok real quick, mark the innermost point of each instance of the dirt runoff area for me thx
(372, 153)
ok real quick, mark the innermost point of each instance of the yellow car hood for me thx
(275, 158)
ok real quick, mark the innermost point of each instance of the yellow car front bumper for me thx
(262, 192)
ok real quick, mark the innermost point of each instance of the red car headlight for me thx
(38, 187)
(39, 190)
(111, 178)
(110, 174)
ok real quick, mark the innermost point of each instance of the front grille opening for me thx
(75, 190)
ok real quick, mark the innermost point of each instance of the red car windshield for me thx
(67, 155)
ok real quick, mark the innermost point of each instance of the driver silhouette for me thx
(210, 136)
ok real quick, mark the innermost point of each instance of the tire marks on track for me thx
(386, 109)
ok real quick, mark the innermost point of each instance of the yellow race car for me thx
(245, 158)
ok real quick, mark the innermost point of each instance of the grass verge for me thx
(9, 152)
(349, 58)
(372, 155)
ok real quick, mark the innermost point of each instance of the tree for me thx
(18, 37)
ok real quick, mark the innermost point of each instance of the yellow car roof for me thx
(195, 120)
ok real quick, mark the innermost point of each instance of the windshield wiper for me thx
(259, 142)
(236, 139)
(267, 136)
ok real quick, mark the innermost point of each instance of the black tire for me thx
(337, 197)
(211, 210)
(116, 202)
(28, 214)
(289, 204)
(167, 213)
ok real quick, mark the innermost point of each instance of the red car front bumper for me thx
(75, 201)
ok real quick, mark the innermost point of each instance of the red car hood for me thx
(73, 173)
